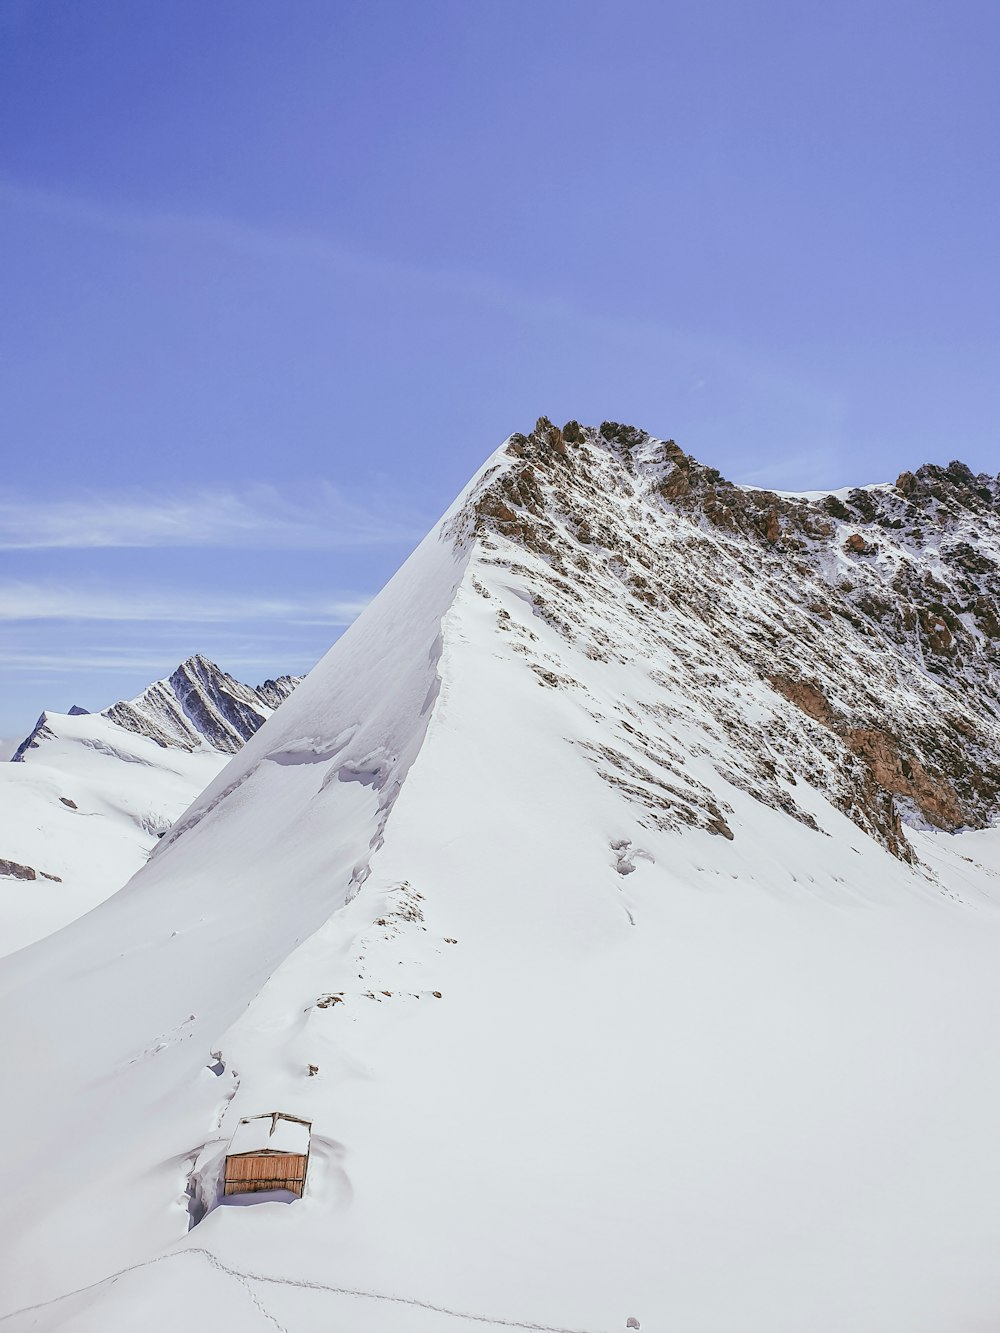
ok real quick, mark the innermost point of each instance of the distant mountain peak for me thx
(198, 704)
(39, 732)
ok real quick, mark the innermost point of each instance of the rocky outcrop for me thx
(932, 793)
(14, 870)
(274, 692)
(892, 771)
(40, 732)
(871, 619)
(809, 697)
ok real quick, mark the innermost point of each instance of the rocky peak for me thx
(198, 704)
(40, 731)
(274, 692)
(954, 487)
(201, 704)
(871, 618)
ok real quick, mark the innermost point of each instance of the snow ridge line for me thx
(243, 1277)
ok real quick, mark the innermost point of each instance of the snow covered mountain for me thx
(618, 900)
(199, 705)
(87, 794)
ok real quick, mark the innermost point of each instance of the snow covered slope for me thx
(568, 898)
(88, 794)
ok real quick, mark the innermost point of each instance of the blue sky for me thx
(279, 276)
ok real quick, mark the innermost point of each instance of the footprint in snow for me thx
(180, 1032)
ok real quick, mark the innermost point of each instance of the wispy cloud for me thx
(255, 518)
(272, 242)
(745, 376)
(746, 362)
(27, 601)
(61, 664)
(320, 250)
(169, 224)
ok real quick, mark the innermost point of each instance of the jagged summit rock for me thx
(41, 731)
(879, 606)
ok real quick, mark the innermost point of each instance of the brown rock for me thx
(17, 871)
(873, 809)
(676, 485)
(770, 526)
(810, 698)
(987, 616)
(903, 775)
(906, 483)
(936, 634)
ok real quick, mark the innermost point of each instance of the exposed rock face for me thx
(200, 702)
(809, 697)
(40, 731)
(273, 692)
(873, 617)
(894, 772)
(933, 794)
(14, 870)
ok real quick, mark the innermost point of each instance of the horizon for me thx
(282, 286)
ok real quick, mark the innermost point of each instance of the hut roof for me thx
(274, 1132)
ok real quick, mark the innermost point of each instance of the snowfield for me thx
(92, 792)
(125, 790)
(597, 1033)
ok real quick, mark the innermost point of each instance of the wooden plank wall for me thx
(273, 1171)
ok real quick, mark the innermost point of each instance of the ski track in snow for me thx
(245, 1278)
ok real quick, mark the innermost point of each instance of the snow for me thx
(125, 790)
(274, 1133)
(747, 1085)
(840, 493)
(94, 791)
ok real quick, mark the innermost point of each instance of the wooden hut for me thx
(268, 1152)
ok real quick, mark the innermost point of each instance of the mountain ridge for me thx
(196, 704)
(585, 951)
(925, 605)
